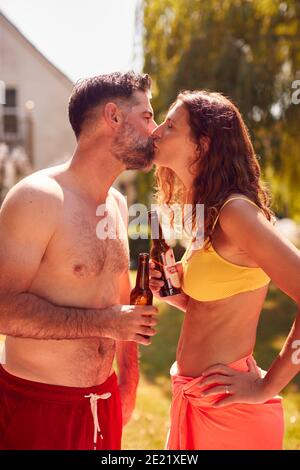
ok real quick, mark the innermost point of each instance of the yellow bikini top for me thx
(208, 276)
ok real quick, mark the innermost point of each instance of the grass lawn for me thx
(148, 428)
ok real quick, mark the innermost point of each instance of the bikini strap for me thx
(187, 250)
(231, 199)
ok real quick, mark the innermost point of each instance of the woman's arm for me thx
(279, 258)
(179, 301)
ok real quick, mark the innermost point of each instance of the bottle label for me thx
(170, 268)
(141, 300)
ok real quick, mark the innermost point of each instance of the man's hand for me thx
(132, 323)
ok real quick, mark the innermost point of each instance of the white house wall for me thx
(23, 67)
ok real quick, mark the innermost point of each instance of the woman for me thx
(221, 399)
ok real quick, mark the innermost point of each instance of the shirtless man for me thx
(64, 290)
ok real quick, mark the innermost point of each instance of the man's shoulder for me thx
(121, 201)
(37, 184)
(36, 192)
(117, 195)
(119, 198)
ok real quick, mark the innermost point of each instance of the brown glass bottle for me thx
(141, 294)
(163, 256)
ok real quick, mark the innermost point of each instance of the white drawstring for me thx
(93, 402)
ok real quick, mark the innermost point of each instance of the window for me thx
(10, 98)
(10, 124)
(9, 113)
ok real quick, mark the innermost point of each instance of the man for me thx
(64, 286)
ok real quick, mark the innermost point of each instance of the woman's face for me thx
(173, 144)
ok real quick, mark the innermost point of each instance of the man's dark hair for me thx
(91, 92)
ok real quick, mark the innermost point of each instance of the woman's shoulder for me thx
(238, 209)
(238, 197)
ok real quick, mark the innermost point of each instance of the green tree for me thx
(250, 51)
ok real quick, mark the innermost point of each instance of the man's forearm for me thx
(128, 364)
(29, 316)
(128, 376)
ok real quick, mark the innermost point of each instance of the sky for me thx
(82, 38)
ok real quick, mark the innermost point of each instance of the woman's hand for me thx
(179, 301)
(238, 386)
(155, 281)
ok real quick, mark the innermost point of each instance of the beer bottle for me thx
(163, 258)
(141, 294)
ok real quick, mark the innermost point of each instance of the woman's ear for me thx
(112, 115)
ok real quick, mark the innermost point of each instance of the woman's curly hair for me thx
(226, 164)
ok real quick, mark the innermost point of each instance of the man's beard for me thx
(134, 151)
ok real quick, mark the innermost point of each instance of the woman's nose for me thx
(157, 132)
(153, 126)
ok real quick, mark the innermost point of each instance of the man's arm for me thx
(127, 361)
(28, 219)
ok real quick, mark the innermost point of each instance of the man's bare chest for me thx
(86, 245)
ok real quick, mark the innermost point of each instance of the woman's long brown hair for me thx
(227, 164)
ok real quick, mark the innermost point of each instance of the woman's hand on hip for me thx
(237, 386)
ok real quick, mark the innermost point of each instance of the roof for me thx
(55, 69)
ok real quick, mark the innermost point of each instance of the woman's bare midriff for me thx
(220, 331)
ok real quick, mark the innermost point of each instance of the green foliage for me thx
(250, 51)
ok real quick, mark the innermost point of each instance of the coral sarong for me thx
(196, 424)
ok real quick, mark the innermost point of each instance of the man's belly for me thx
(71, 363)
(74, 363)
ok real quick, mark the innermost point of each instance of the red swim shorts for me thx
(38, 416)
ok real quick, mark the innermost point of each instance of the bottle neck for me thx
(142, 278)
(157, 236)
